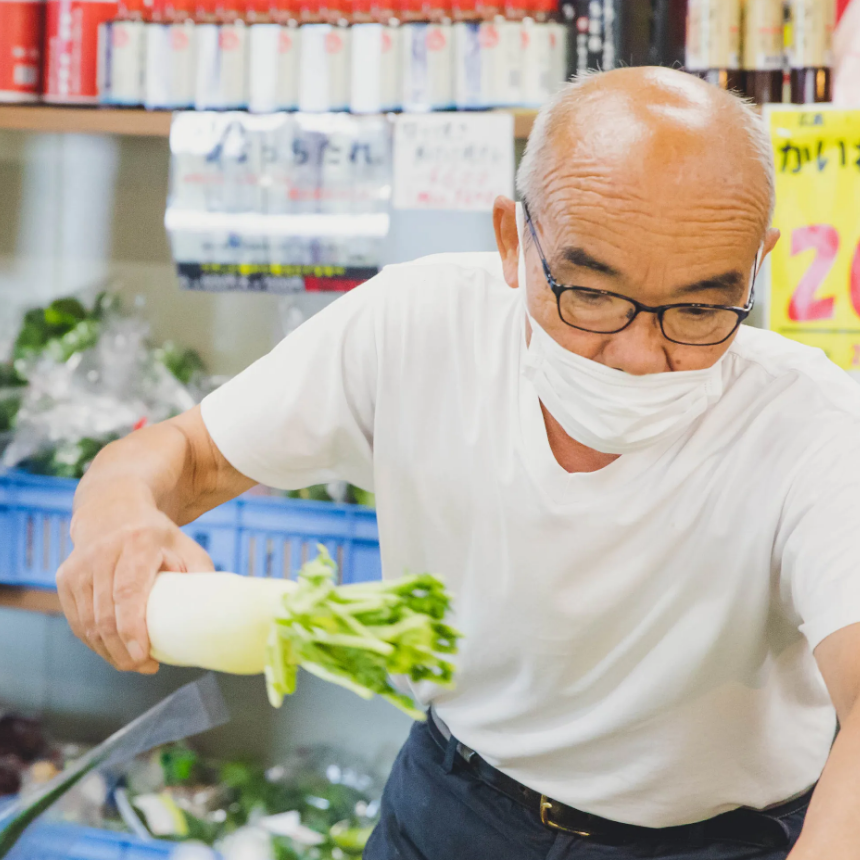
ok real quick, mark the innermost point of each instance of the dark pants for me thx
(431, 814)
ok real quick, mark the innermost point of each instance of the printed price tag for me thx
(815, 267)
(453, 161)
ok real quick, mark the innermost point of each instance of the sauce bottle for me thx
(763, 50)
(810, 50)
(713, 42)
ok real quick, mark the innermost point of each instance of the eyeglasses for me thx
(603, 312)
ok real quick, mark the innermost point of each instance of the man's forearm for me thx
(174, 467)
(832, 828)
(146, 467)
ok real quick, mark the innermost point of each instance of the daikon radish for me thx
(218, 621)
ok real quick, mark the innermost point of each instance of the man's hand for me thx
(126, 531)
(105, 583)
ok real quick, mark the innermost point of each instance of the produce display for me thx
(81, 377)
(318, 805)
(358, 635)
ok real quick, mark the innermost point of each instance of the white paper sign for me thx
(453, 161)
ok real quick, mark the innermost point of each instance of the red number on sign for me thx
(854, 280)
(825, 241)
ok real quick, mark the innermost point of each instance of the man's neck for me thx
(571, 455)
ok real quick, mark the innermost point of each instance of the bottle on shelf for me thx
(467, 55)
(122, 56)
(273, 56)
(544, 45)
(511, 55)
(810, 50)
(591, 35)
(548, 13)
(713, 42)
(427, 43)
(384, 13)
(414, 72)
(170, 50)
(22, 26)
(324, 67)
(376, 57)
(634, 27)
(71, 49)
(207, 59)
(491, 54)
(763, 50)
(668, 36)
(233, 54)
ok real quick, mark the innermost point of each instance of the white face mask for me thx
(606, 409)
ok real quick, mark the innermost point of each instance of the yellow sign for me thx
(815, 267)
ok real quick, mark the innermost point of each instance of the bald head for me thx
(660, 137)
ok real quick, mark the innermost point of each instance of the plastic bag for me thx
(74, 407)
(192, 709)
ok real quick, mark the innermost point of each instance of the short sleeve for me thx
(818, 540)
(304, 413)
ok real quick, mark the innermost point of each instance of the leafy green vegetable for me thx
(68, 459)
(184, 364)
(358, 635)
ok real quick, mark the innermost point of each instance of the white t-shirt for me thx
(637, 639)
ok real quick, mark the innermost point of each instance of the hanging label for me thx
(453, 161)
(815, 267)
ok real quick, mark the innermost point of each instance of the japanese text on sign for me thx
(815, 268)
(451, 161)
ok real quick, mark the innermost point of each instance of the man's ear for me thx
(770, 240)
(505, 226)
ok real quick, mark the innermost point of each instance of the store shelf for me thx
(131, 121)
(79, 120)
(30, 599)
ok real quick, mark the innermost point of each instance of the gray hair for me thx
(533, 166)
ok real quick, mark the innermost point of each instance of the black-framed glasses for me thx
(604, 312)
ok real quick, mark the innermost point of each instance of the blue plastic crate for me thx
(50, 841)
(253, 535)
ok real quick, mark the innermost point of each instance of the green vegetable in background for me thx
(184, 364)
(358, 635)
(67, 459)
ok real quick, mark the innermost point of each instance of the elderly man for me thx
(646, 512)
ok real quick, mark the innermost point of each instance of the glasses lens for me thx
(699, 326)
(594, 311)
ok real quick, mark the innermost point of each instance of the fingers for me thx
(140, 561)
(126, 582)
(74, 587)
(195, 559)
(104, 589)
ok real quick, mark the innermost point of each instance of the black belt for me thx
(743, 825)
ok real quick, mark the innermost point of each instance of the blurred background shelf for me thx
(132, 121)
(80, 120)
(30, 599)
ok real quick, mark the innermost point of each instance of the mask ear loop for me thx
(756, 268)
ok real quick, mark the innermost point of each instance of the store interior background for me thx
(81, 213)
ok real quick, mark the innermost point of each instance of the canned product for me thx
(71, 49)
(22, 24)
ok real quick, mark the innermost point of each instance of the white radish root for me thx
(217, 621)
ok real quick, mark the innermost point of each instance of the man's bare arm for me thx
(832, 828)
(125, 529)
